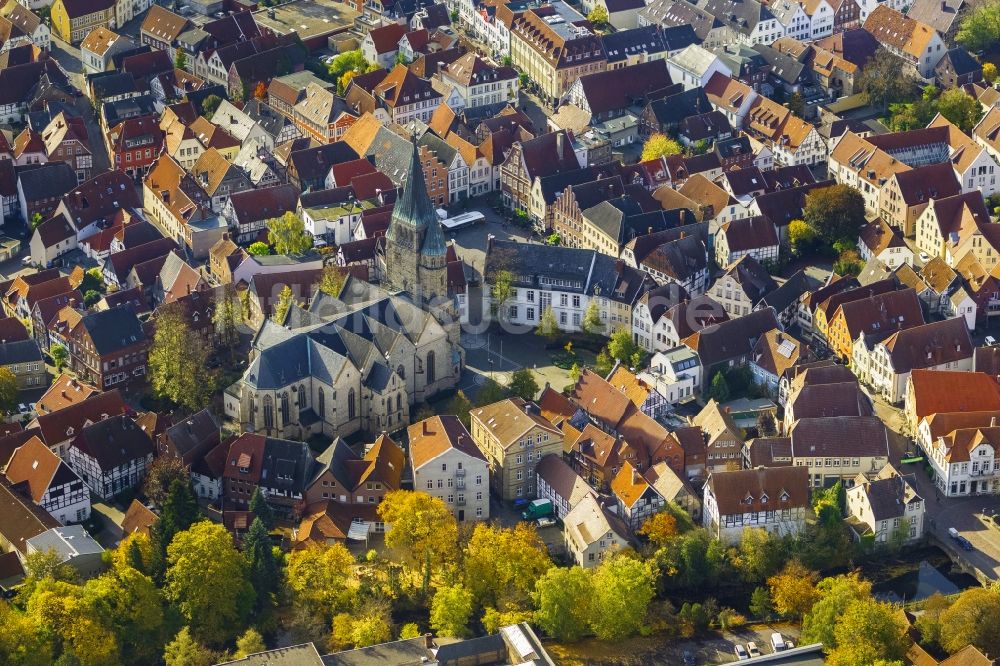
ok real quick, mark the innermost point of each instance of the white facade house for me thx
(775, 499)
(694, 66)
(592, 533)
(447, 464)
(888, 506)
(560, 484)
(50, 481)
(966, 462)
(674, 374)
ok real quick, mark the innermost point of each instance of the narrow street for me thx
(68, 57)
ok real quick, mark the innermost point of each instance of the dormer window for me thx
(784, 496)
(749, 499)
(763, 499)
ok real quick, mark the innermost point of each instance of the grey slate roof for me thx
(788, 293)
(114, 329)
(51, 180)
(21, 351)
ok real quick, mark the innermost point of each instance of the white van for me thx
(777, 642)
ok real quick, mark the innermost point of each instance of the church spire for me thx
(413, 216)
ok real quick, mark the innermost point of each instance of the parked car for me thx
(546, 522)
(989, 341)
(777, 642)
(965, 543)
(741, 653)
(953, 533)
(752, 649)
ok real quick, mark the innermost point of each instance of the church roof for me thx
(414, 209)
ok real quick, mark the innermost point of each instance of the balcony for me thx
(460, 483)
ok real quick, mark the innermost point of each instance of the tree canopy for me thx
(659, 145)
(980, 29)
(835, 212)
(288, 235)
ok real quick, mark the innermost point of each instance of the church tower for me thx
(415, 249)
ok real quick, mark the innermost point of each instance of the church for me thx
(359, 362)
(415, 256)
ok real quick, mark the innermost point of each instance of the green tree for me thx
(793, 590)
(129, 604)
(622, 348)
(659, 145)
(349, 61)
(760, 554)
(251, 642)
(227, 316)
(179, 512)
(501, 291)
(210, 105)
(849, 263)
(288, 235)
(8, 390)
(989, 72)
(548, 326)
(41, 565)
(603, 363)
(332, 280)
(370, 629)
(490, 392)
(868, 631)
(409, 630)
(424, 531)
(78, 628)
(960, 108)
(502, 565)
(180, 60)
(766, 426)
(973, 618)
(592, 323)
(262, 568)
(523, 384)
(980, 29)
(22, 641)
(259, 249)
(929, 621)
(883, 80)
(623, 588)
(598, 16)
(92, 279)
(285, 301)
(835, 212)
(575, 372)
(91, 297)
(760, 604)
(207, 583)
(160, 476)
(460, 406)
(451, 609)
(835, 596)
(178, 362)
(659, 528)
(691, 561)
(718, 390)
(261, 509)
(59, 356)
(36, 220)
(563, 601)
(494, 620)
(184, 650)
(319, 578)
(796, 104)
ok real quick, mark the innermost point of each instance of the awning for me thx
(358, 530)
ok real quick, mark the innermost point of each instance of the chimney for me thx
(619, 266)
(944, 6)
(635, 476)
(428, 641)
(559, 145)
(683, 215)
(683, 234)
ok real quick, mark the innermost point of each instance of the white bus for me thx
(463, 220)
